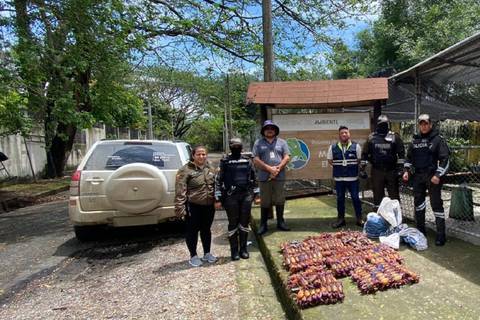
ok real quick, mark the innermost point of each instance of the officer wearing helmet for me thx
(385, 151)
(235, 189)
(427, 163)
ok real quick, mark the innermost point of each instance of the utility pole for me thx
(150, 122)
(267, 49)
(225, 125)
(229, 108)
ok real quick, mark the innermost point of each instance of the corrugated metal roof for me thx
(448, 82)
(321, 94)
(460, 62)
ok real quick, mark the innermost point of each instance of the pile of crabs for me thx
(316, 263)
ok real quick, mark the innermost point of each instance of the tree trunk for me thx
(60, 150)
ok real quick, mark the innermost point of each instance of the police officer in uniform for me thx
(384, 149)
(427, 163)
(235, 188)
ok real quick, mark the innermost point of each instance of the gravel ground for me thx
(135, 280)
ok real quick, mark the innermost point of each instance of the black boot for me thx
(360, 222)
(233, 239)
(270, 213)
(263, 221)
(280, 221)
(339, 223)
(243, 245)
(420, 220)
(441, 237)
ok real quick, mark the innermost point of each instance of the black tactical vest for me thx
(422, 154)
(383, 151)
(236, 173)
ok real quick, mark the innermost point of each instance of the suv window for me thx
(112, 156)
(187, 151)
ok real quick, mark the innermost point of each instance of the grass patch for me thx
(449, 276)
(31, 188)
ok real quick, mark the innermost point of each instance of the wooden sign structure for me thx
(310, 135)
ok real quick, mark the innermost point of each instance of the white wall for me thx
(18, 165)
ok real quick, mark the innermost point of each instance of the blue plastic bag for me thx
(375, 225)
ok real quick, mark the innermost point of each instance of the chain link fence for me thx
(461, 189)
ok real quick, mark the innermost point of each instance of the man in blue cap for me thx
(271, 155)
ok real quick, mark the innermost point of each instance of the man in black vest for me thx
(235, 187)
(384, 149)
(427, 163)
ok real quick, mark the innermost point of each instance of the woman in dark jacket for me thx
(194, 201)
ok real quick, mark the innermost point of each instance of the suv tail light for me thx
(75, 183)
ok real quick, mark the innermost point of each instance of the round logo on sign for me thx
(299, 153)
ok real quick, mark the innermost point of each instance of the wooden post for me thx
(30, 160)
(229, 108)
(267, 50)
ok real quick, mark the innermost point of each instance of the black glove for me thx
(363, 175)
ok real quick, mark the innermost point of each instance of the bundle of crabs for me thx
(316, 263)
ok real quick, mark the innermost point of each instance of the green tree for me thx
(13, 106)
(73, 61)
(407, 32)
(194, 30)
(177, 98)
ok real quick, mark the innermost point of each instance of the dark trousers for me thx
(380, 180)
(353, 187)
(238, 207)
(199, 219)
(421, 183)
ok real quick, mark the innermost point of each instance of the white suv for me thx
(125, 183)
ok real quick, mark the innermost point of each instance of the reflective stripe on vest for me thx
(345, 162)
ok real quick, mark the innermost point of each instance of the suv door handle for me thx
(95, 180)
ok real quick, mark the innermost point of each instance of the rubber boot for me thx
(243, 245)
(270, 213)
(339, 223)
(233, 239)
(263, 221)
(280, 221)
(360, 222)
(441, 237)
(420, 220)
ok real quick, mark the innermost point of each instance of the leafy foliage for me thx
(190, 31)
(406, 32)
(458, 157)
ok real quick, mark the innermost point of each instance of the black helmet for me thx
(235, 142)
(383, 124)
